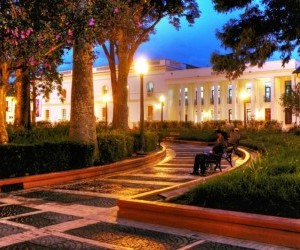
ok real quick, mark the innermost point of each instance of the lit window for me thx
(64, 114)
(150, 88)
(104, 89)
(229, 97)
(47, 114)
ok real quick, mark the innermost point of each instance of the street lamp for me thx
(141, 68)
(245, 98)
(162, 100)
(106, 99)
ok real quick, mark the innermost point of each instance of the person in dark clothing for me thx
(217, 151)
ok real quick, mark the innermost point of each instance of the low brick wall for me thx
(72, 175)
(267, 229)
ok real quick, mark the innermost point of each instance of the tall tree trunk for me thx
(34, 107)
(120, 91)
(22, 109)
(3, 88)
(82, 120)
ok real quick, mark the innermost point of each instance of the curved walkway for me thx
(83, 214)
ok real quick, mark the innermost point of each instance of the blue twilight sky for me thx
(191, 45)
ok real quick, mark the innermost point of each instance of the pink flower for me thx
(70, 33)
(92, 22)
(116, 10)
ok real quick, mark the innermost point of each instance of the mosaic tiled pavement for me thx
(82, 214)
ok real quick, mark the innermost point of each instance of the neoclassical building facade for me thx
(190, 94)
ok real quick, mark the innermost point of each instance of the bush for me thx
(114, 146)
(20, 160)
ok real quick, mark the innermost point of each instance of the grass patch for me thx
(270, 186)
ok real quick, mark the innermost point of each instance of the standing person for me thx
(217, 151)
(234, 137)
(234, 140)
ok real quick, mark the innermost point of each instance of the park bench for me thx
(216, 160)
(171, 137)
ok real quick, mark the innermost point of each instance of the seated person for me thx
(217, 151)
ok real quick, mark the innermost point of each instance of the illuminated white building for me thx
(191, 94)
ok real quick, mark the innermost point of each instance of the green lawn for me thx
(270, 186)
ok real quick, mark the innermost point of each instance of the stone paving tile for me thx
(133, 237)
(109, 187)
(161, 171)
(70, 198)
(44, 219)
(12, 210)
(208, 245)
(6, 230)
(52, 242)
(151, 178)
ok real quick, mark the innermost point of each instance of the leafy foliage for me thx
(263, 27)
(291, 100)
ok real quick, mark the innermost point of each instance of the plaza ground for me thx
(83, 214)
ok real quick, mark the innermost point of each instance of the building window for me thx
(268, 114)
(186, 99)
(267, 92)
(196, 94)
(104, 113)
(150, 113)
(7, 106)
(229, 97)
(64, 114)
(248, 114)
(230, 115)
(212, 95)
(288, 87)
(64, 94)
(150, 88)
(249, 91)
(202, 95)
(104, 89)
(219, 95)
(288, 116)
(47, 114)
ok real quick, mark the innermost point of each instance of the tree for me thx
(263, 28)
(27, 37)
(291, 100)
(127, 25)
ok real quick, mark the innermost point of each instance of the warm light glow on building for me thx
(141, 66)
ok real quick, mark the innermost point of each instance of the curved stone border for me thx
(72, 175)
(267, 229)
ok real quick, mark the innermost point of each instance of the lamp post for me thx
(141, 68)
(162, 104)
(245, 98)
(106, 99)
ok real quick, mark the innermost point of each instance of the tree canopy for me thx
(263, 28)
(126, 25)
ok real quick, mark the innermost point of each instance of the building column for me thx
(182, 103)
(216, 103)
(273, 113)
(199, 104)
(234, 99)
(293, 82)
(191, 103)
(253, 98)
